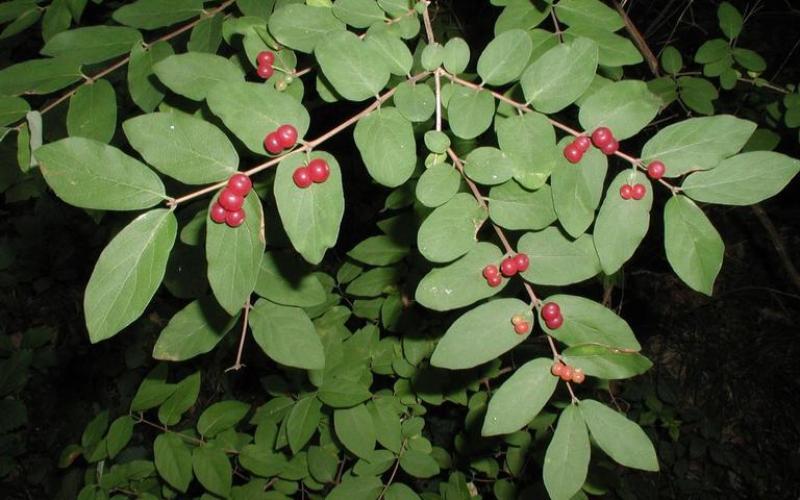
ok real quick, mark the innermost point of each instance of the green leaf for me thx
(206, 35)
(437, 185)
(374, 282)
(622, 439)
(128, 273)
(515, 208)
(119, 435)
(558, 260)
(186, 148)
(480, 335)
(90, 174)
(92, 44)
(357, 488)
(591, 13)
(504, 58)
(561, 75)
(322, 464)
(152, 14)
(587, 322)
(302, 27)
(749, 59)
(379, 251)
(93, 112)
(613, 50)
(213, 469)
(39, 76)
(418, 464)
(671, 60)
(251, 110)
(180, 401)
(12, 109)
(355, 430)
(221, 417)
(621, 224)
(488, 166)
(461, 283)
(310, 216)
(387, 423)
(194, 330)
(456, 55)
(432, 56)
(354, 68)
(566, 462)
(195, 74)
(415, 101)
(520, 398)
(342, 393)
(606, 363)
(358, 13)
(744, 179)
(712, 50)
(730, 20)
(95, 430)
(578, 189)
(145, 90)
(450, 230)
(694, 247)
(234, 256)
(286, 280)
(470, 112)
(529, 141)
(697, 94)
(393, 51)
(386, 142)
(521, 14)
(697, 143)
(302, 421)
(21, 23)
(399, 491)
(287, 335)
(153, 390)
(625, 107)
(173, 460)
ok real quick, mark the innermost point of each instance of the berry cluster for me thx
(551, 314)
(521, 326)
(602, 138)
(568, 373)
(576, 149)
(283, 138)
(228, 207)
(635, 192)
(265, 61)
(317, 171)
(656, 169)
(509, 267)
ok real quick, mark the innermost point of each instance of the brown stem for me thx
(777, 243)
(426, 19)
(638, 39)
(238, 364)
(394, 470)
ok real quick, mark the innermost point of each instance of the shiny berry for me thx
(656, 169)
(550, 311)
(638, 191)
(572, 153)
(319, 170)
(490, 271)
(235, 218)
(217, 213)
(557, 368)
(272, 143)
(602, 136)
(610, 147)
(555, 323)
(265, 58)
(522, 328)
(287, 135)
(517, 319)
(265, 72)
(508, 267)
(522, 261)
(302, 177)
(578, 376)
(494, 281)
(240, 184)
(566, 373)
(626, 191)
(230, 201)
(583, 143)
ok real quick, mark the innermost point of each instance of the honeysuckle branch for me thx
(394, 469)
(238, 364)
(426, 19)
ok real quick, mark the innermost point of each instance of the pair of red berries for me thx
(551, 314)
(265, 61)
(635, 192)
(509, 267)
(602, 138)
(656, 169)
(283, 138)
(576, 149)
(521, 325)
(568, 373)
(317, 171)
(228, 207)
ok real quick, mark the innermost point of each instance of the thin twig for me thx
(426, 19)
(394, 470)
(638, 39)
(438, 81)
(238, 365)
(777, 243)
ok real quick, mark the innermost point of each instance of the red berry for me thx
(610, 147)
(490, 271)
(265, 58)
(557, 368)
(572, 153)
(217, 213)
(550, 311)
(638, 191)
(230, 201)
(566, 373)
(602, 136)
(272, 143)
(240, 184)
(517, 319)
(583, 143)
(555, 323)
(302, 177)
(287, 135)
(522, 262)
(319, 170)
(494, 281)
(522, 328)
(508, 267)
(578, 376)
(265, 72)
(235, 218)
(625, 191)
(656, 169)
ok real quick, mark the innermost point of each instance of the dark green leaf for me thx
(354, 68)
(92, 44)
(515, 208)
(194, 330)
(220, 417)
(355, 430)
(301, 27)
(301, 424)
(504, 58)
(119, 434)
(286, 280)
(566, 462)
(144, 88)
(418, 464)
(604, 362)
(520, 398)
(450, 231)
(622, 439)
(470, 112)
(173, 460)
(152, 14)
(184, 397)
(212, 469)
(195, 74)
(39, 76)
(386, 142)
(287, 335)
